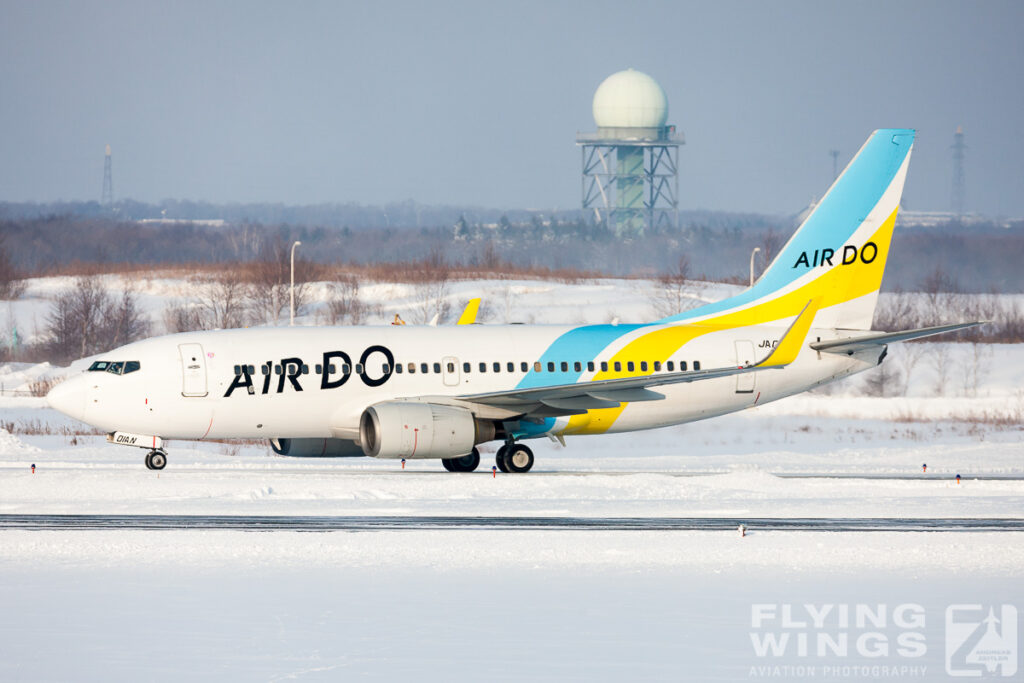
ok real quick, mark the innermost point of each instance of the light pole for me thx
(292, 289)
(752, 255)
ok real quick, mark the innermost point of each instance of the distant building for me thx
(631, 164)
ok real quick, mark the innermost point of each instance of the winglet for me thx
(468, 316)
(788, 348)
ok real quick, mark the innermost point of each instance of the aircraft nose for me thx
(69, 398)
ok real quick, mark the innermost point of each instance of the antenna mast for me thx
(107, 198)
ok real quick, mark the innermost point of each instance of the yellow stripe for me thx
(835, 286)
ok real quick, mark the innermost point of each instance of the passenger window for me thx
(657, 365)
(346, 369)
(265, 369)
(386, 369)
(524, 367)
(437, 368)
(483, 367)
(497, 366)
(359, 368)
(630, 367)
(577, 366)
(618, 366)
(696, 365)
(451, 367)
(604, 366)
(277, 369)
(537, 367)
(466, 367)
(424, 368)
(412, 368)
(682, 366)
(319, 368)
(590, 366)
(333, 368)
(643, 366)
(238, 370)
(305, 369)
(511, 367)
(398, 368)
(551, 366)
(671, 366)
(251, 368)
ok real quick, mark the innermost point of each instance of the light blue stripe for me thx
(580, 344)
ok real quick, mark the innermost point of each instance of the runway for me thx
(269, 523)
(173, 469)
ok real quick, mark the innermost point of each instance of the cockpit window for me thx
(115, 367)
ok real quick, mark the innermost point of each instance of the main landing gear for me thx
(466, 463)
(156, 459)
(514, 457)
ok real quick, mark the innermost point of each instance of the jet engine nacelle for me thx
(407, 429)
(316, 448)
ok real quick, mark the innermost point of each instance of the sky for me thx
(479, 103)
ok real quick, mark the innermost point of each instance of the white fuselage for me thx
(187, 387)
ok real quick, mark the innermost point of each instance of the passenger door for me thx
(745, 356)
(193, 369)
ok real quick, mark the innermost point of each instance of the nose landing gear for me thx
(156, 459)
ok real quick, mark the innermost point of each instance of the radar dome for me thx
(630, 99)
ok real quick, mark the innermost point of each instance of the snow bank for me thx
(11, 445)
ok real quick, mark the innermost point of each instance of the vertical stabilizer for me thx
(837, 256)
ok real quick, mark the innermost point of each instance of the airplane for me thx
(409, 392)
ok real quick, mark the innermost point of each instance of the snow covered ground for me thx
(511, 604)
(515, 604)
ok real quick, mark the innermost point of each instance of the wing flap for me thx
(584, 403)
(627, 395)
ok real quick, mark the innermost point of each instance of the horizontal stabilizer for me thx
(853, 344)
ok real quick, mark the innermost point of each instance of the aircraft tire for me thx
(519, 459)
(499, 459)
(466, 463)
(149, 461)
(157, 460)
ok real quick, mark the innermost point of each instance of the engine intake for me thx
(407, 429)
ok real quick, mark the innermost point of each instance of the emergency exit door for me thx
(450, 367)
(193, 369)
(745, 356)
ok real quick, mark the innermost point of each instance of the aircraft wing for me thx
(577, 398)
(853, 344)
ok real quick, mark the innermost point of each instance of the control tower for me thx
(631, 164)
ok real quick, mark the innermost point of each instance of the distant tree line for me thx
(716, 246)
